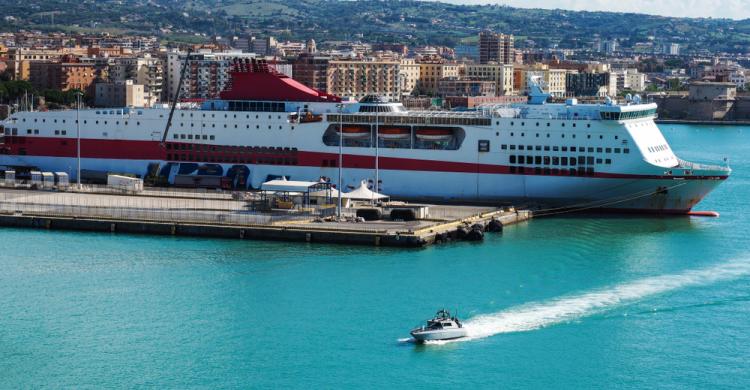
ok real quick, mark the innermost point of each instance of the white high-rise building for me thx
(674, 49)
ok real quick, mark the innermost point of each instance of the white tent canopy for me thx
(363, 193)
(284, 185)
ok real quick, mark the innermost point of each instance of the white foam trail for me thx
(540, 314)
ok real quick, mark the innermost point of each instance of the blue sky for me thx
(734, 9)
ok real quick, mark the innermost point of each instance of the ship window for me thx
(546, 148)
(512, 147)
(555, 160)
(591, 150)
(555, 148)
(617, 150)
(511, 133)
(175, 136)
(588, 125)
(520, 147)
(520, 159)
(563, 161)
(205, 136)
(564, 148)
(546, 160)
(511, 123)
(626, 150)
(257, 126)
(608, 150)
(608, 161)
(537, 159)
(512, 158)
(64, 132)
(537, 135)
(97, 122)
(562, 135)
(598, 161)
(538, 147)
(547, 124)
(590, 160)
(503, 147)
(513, 169)
(522, 134)
(537, 124)
(563, 124)
(211, 137)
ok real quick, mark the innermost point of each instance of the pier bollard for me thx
(242, 233)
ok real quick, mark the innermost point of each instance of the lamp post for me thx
(377, 152)
(78, 138)
(340, 107)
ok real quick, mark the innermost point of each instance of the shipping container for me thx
(62, 180)
(10, 178)
(48, 180)
(125, 183)
(36, 179)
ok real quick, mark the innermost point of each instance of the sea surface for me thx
(564, 302)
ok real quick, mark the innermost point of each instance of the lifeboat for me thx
(393, 133)
(434, 134)
(353, 132)
(309, 117)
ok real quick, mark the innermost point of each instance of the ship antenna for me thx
(176, 96)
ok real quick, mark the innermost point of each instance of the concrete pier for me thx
(227, 218)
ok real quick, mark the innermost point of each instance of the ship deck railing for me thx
(684, 164)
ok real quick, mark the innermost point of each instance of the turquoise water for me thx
(575, 302)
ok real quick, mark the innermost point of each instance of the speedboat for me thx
(442, 327)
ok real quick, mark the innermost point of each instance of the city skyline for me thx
(731, 9)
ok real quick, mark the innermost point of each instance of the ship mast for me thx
(176, 96)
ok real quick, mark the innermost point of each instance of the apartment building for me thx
(501, 74)
(494, 47)
(357, 79)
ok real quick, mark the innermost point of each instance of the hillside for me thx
(411, 22)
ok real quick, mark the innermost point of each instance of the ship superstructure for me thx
(266, 125)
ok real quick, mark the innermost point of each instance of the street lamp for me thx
(377, 151)
(340, 107)
(78, 138)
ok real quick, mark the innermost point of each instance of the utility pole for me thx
(340, 106)
(377, 151)
(78, 138)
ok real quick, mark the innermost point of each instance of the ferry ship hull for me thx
(552, 194)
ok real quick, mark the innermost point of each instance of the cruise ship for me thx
(265, 125)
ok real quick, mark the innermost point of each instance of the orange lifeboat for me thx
(353, 132)
(393, 133)
(434, 134)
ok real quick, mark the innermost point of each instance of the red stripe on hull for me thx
(152, 150)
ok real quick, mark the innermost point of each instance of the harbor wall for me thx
(687, 109)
